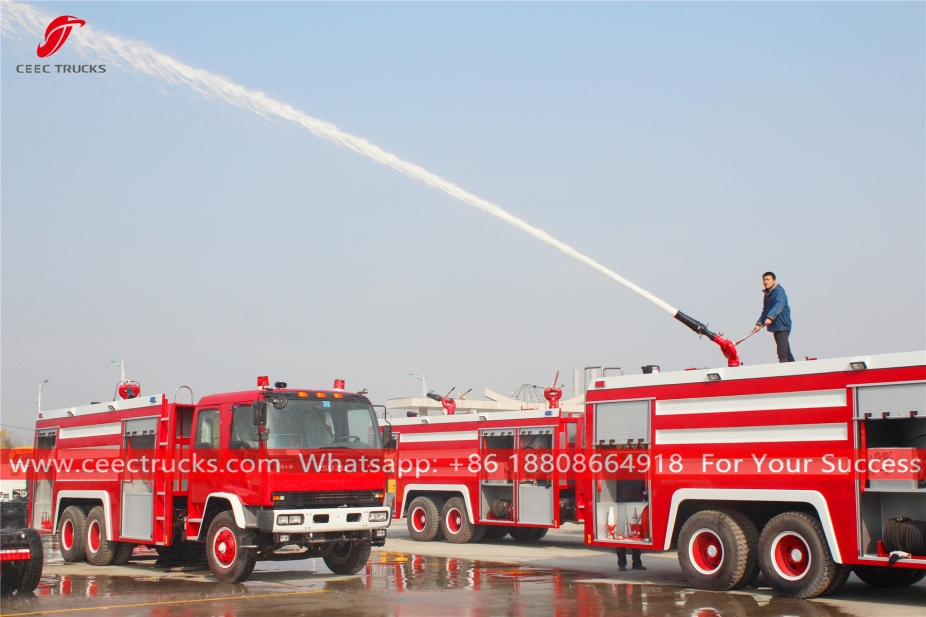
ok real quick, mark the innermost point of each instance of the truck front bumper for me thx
(322, 520)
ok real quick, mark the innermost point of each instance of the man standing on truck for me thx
(776, 315)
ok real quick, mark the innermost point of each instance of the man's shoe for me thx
(639, 566)
(622, 568)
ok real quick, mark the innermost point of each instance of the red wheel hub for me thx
(790, 555)
(67, 535)
(419, 519)
(225, 547)
(705, 551)
(454, 521)
(94, 536)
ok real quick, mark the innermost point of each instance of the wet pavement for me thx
(399, 584)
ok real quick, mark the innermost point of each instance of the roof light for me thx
(599, 384)
(338, 384)
(858, 366)
(338, 395)
(321, 395)
(713, 376)
(303, 394)
(263, 381)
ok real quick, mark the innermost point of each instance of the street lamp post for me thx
(424, 385)
(39, 402)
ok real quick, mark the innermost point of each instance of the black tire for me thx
(228, 560)
(98, 549)
(123, 553)
(480, 533)
(713, 551)
(794, 556)
(842, 575)
(885, 577)
(32, 572)
(494, 532)
(347, 557)
(527, 534)
(454, 522)
(72, 529)
(752, 547)
(423, 519)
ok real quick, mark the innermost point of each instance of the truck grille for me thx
(328, 499)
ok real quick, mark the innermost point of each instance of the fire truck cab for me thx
(218, 480)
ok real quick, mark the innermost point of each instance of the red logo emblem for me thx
(57, 33)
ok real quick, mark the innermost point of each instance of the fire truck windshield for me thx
(322, 423)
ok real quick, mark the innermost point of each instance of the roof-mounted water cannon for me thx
(450, 405)
(553, 393)
(728, 348)
(126, 388)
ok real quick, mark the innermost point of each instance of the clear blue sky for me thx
(690, 147)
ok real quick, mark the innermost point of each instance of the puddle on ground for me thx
(393, 585)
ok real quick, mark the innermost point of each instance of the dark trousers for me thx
(622, 556)
(784, 348)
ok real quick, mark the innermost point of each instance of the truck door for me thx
(203, 463)
(137, 514)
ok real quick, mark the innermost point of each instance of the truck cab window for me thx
(207, 429)
(243, 433)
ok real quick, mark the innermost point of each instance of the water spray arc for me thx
(19, 19)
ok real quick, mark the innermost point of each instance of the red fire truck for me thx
(803, 471)
(224, 479)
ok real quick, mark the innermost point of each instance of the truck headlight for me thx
(291, 519)
(379, 517)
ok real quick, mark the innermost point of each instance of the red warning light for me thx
(338, 384)
(263, 381)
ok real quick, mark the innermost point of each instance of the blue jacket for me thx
(775, 307)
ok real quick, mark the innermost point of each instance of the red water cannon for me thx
(129, 389)
(728, 348)
(450, 405)
(553, 394)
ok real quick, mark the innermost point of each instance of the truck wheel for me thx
(480, 533)
(32, 572)
(423, 519)
(347, 557)
(713, 551)
(71, 532)
(752, 547)
(495, 532)
(794, 556)
(98, 549)
(885, 577)
(228, 560)
(454, 522)
(839, 579)
(123, 553)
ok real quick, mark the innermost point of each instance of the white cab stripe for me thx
(752, 402)
(754, 434)
(95, 430)
(443, 436)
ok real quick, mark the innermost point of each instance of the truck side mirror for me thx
(259, 413)
(389, 440)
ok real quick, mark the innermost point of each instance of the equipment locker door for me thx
(137, 515)
(535, 475)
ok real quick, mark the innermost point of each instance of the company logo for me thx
(57, 33)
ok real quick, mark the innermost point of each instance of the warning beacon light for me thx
(263, 381)
(338, 384)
